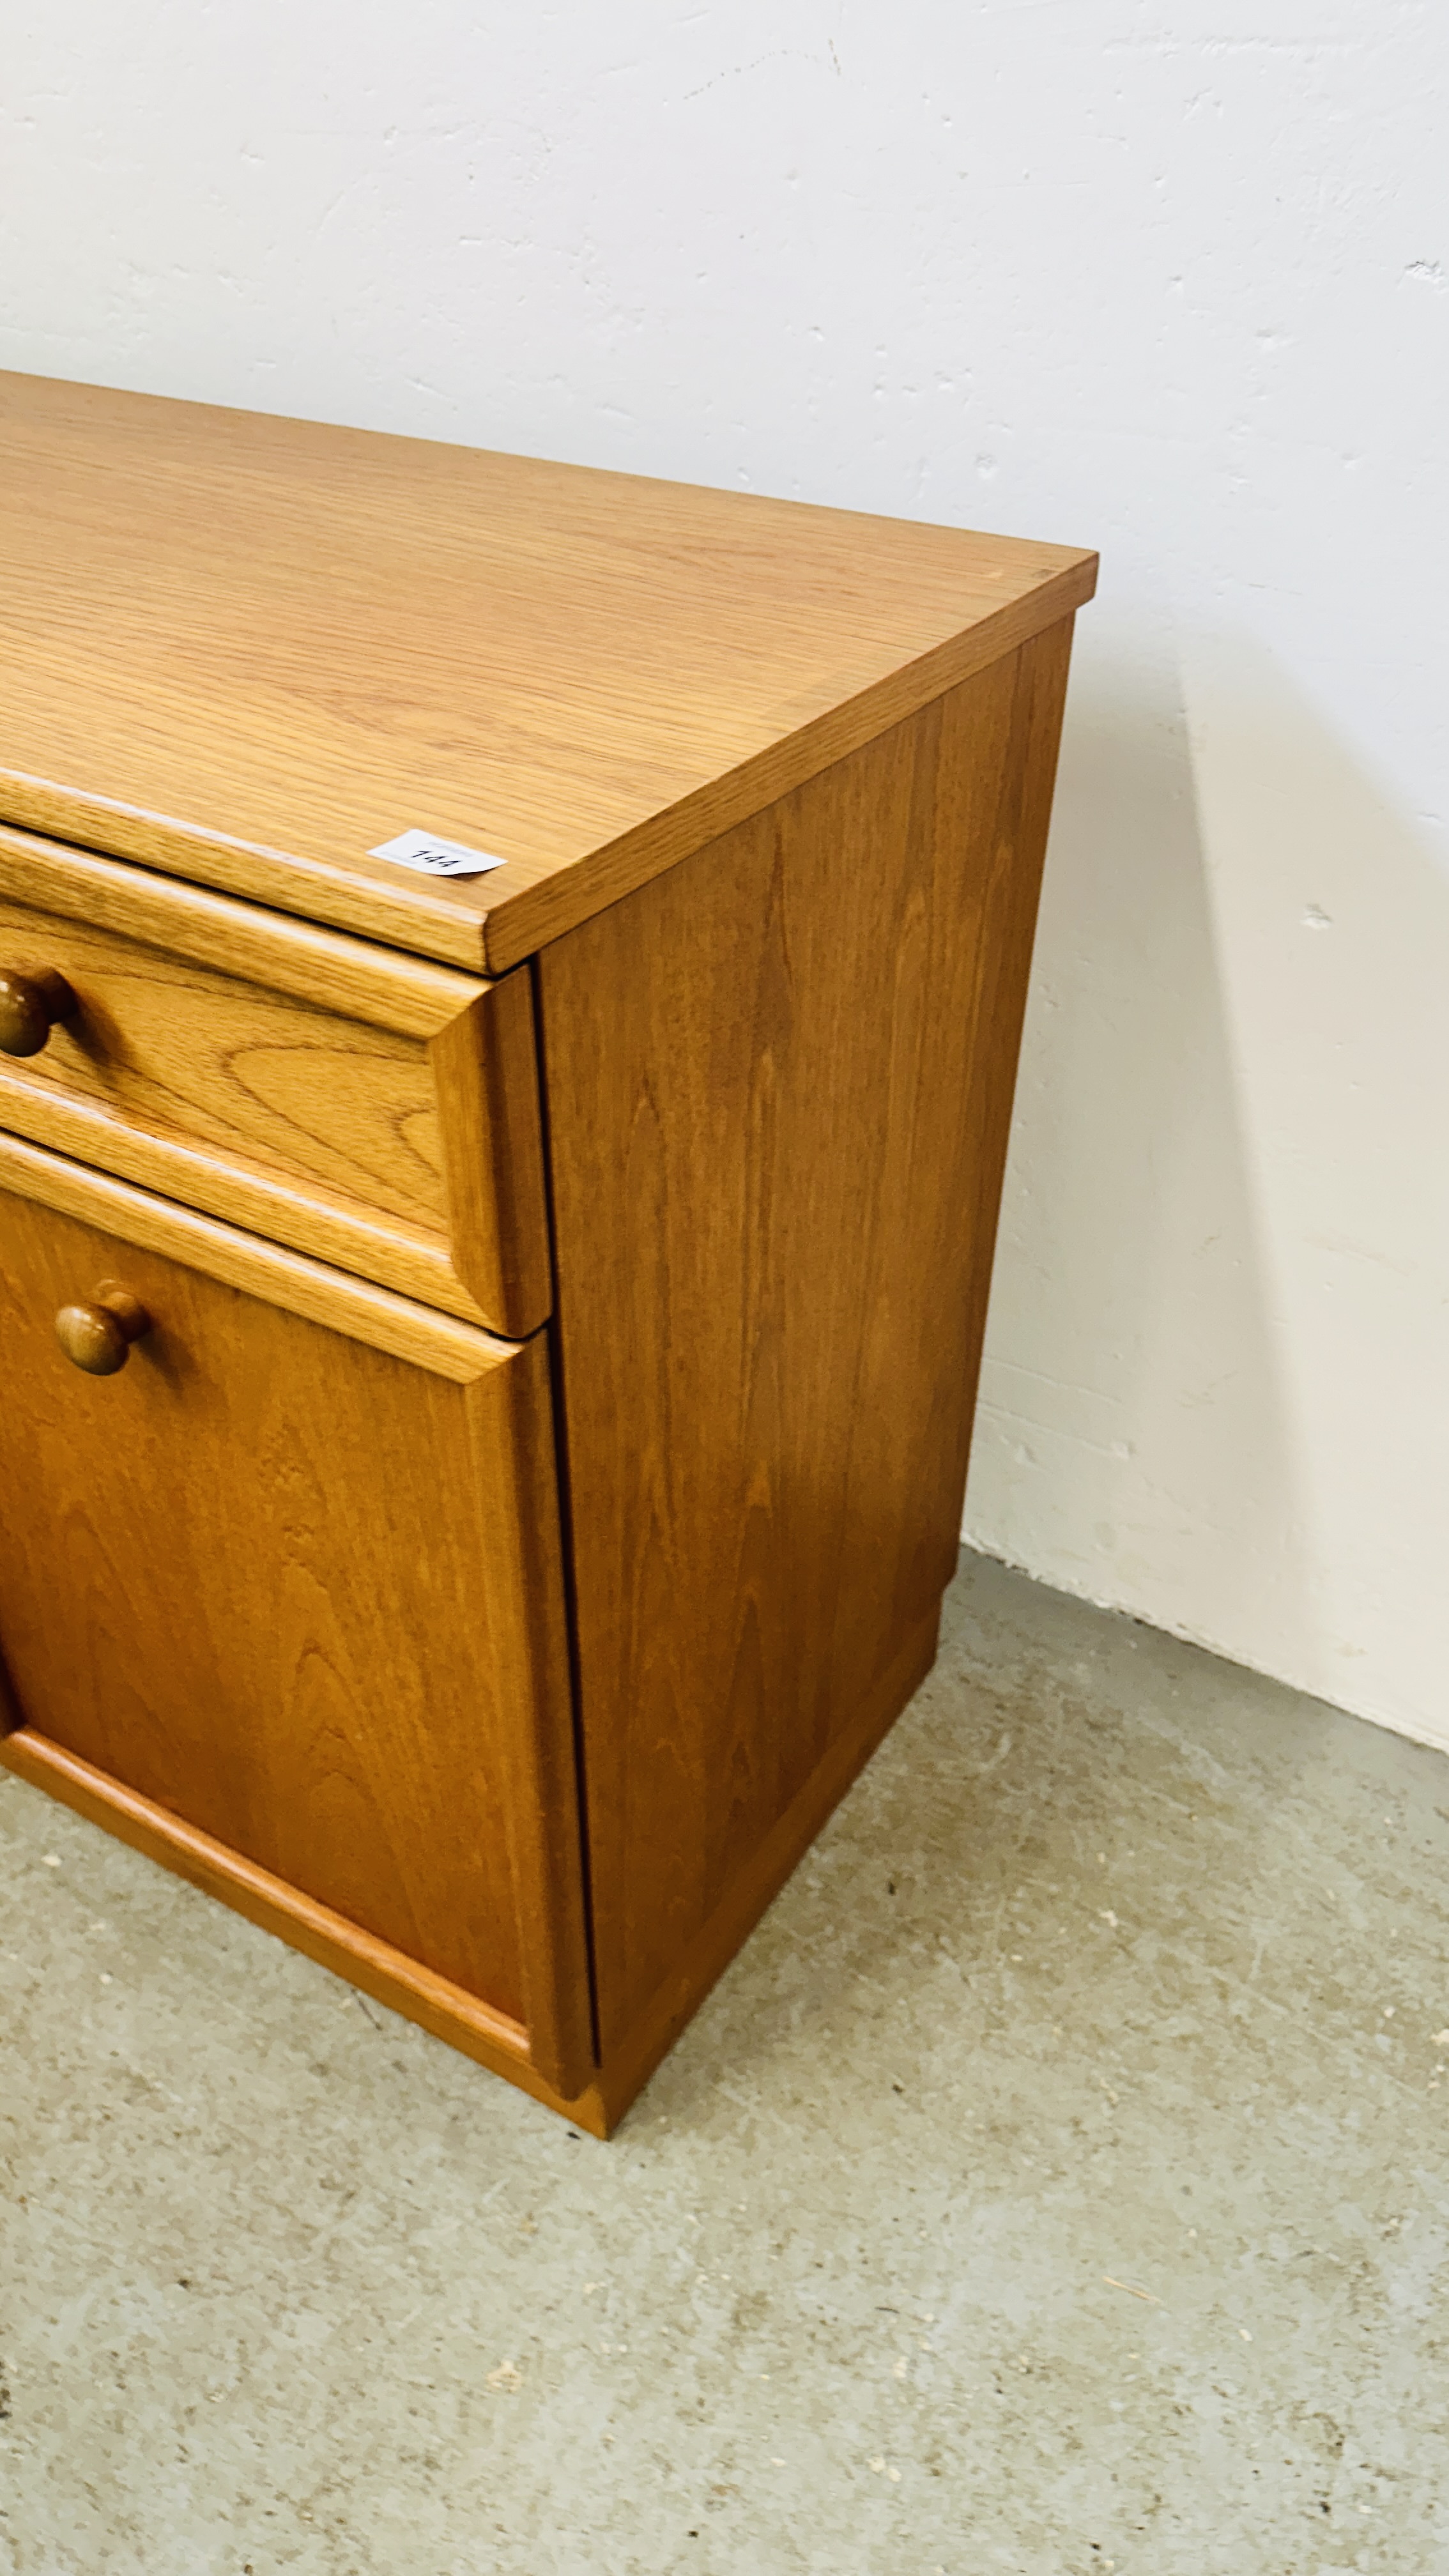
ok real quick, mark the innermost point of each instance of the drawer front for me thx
(369, 1108)
(290, 1574)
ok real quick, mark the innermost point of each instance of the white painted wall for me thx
(1171, 279)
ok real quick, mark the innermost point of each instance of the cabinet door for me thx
(291, 1578)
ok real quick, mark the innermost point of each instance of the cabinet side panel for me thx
(779, 1084)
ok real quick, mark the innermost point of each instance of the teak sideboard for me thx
(490, 1358)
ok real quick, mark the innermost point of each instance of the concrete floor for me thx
(1055, 2185)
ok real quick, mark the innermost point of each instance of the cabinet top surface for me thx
(247, 650)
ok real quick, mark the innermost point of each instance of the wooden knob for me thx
(98, 1337)
(30, 1005)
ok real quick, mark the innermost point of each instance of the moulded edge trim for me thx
(332, 1298)
(449, 2012)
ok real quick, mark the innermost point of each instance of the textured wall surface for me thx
(1131, 275)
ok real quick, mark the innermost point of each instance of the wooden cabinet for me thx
(528, 1321)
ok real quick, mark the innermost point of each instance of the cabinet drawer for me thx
(287, 1585)
(371, 1108)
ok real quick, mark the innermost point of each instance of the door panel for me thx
(253, 1576)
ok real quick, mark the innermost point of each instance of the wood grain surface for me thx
(416, 1158)
(357, 1307)
(184, 1050)
(415, 1260)
(303, 1596)
(384, 986)
(247, 650)
(484, 1069)
(779, 1084)
(678, 1996)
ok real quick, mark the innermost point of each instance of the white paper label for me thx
(434, 858)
